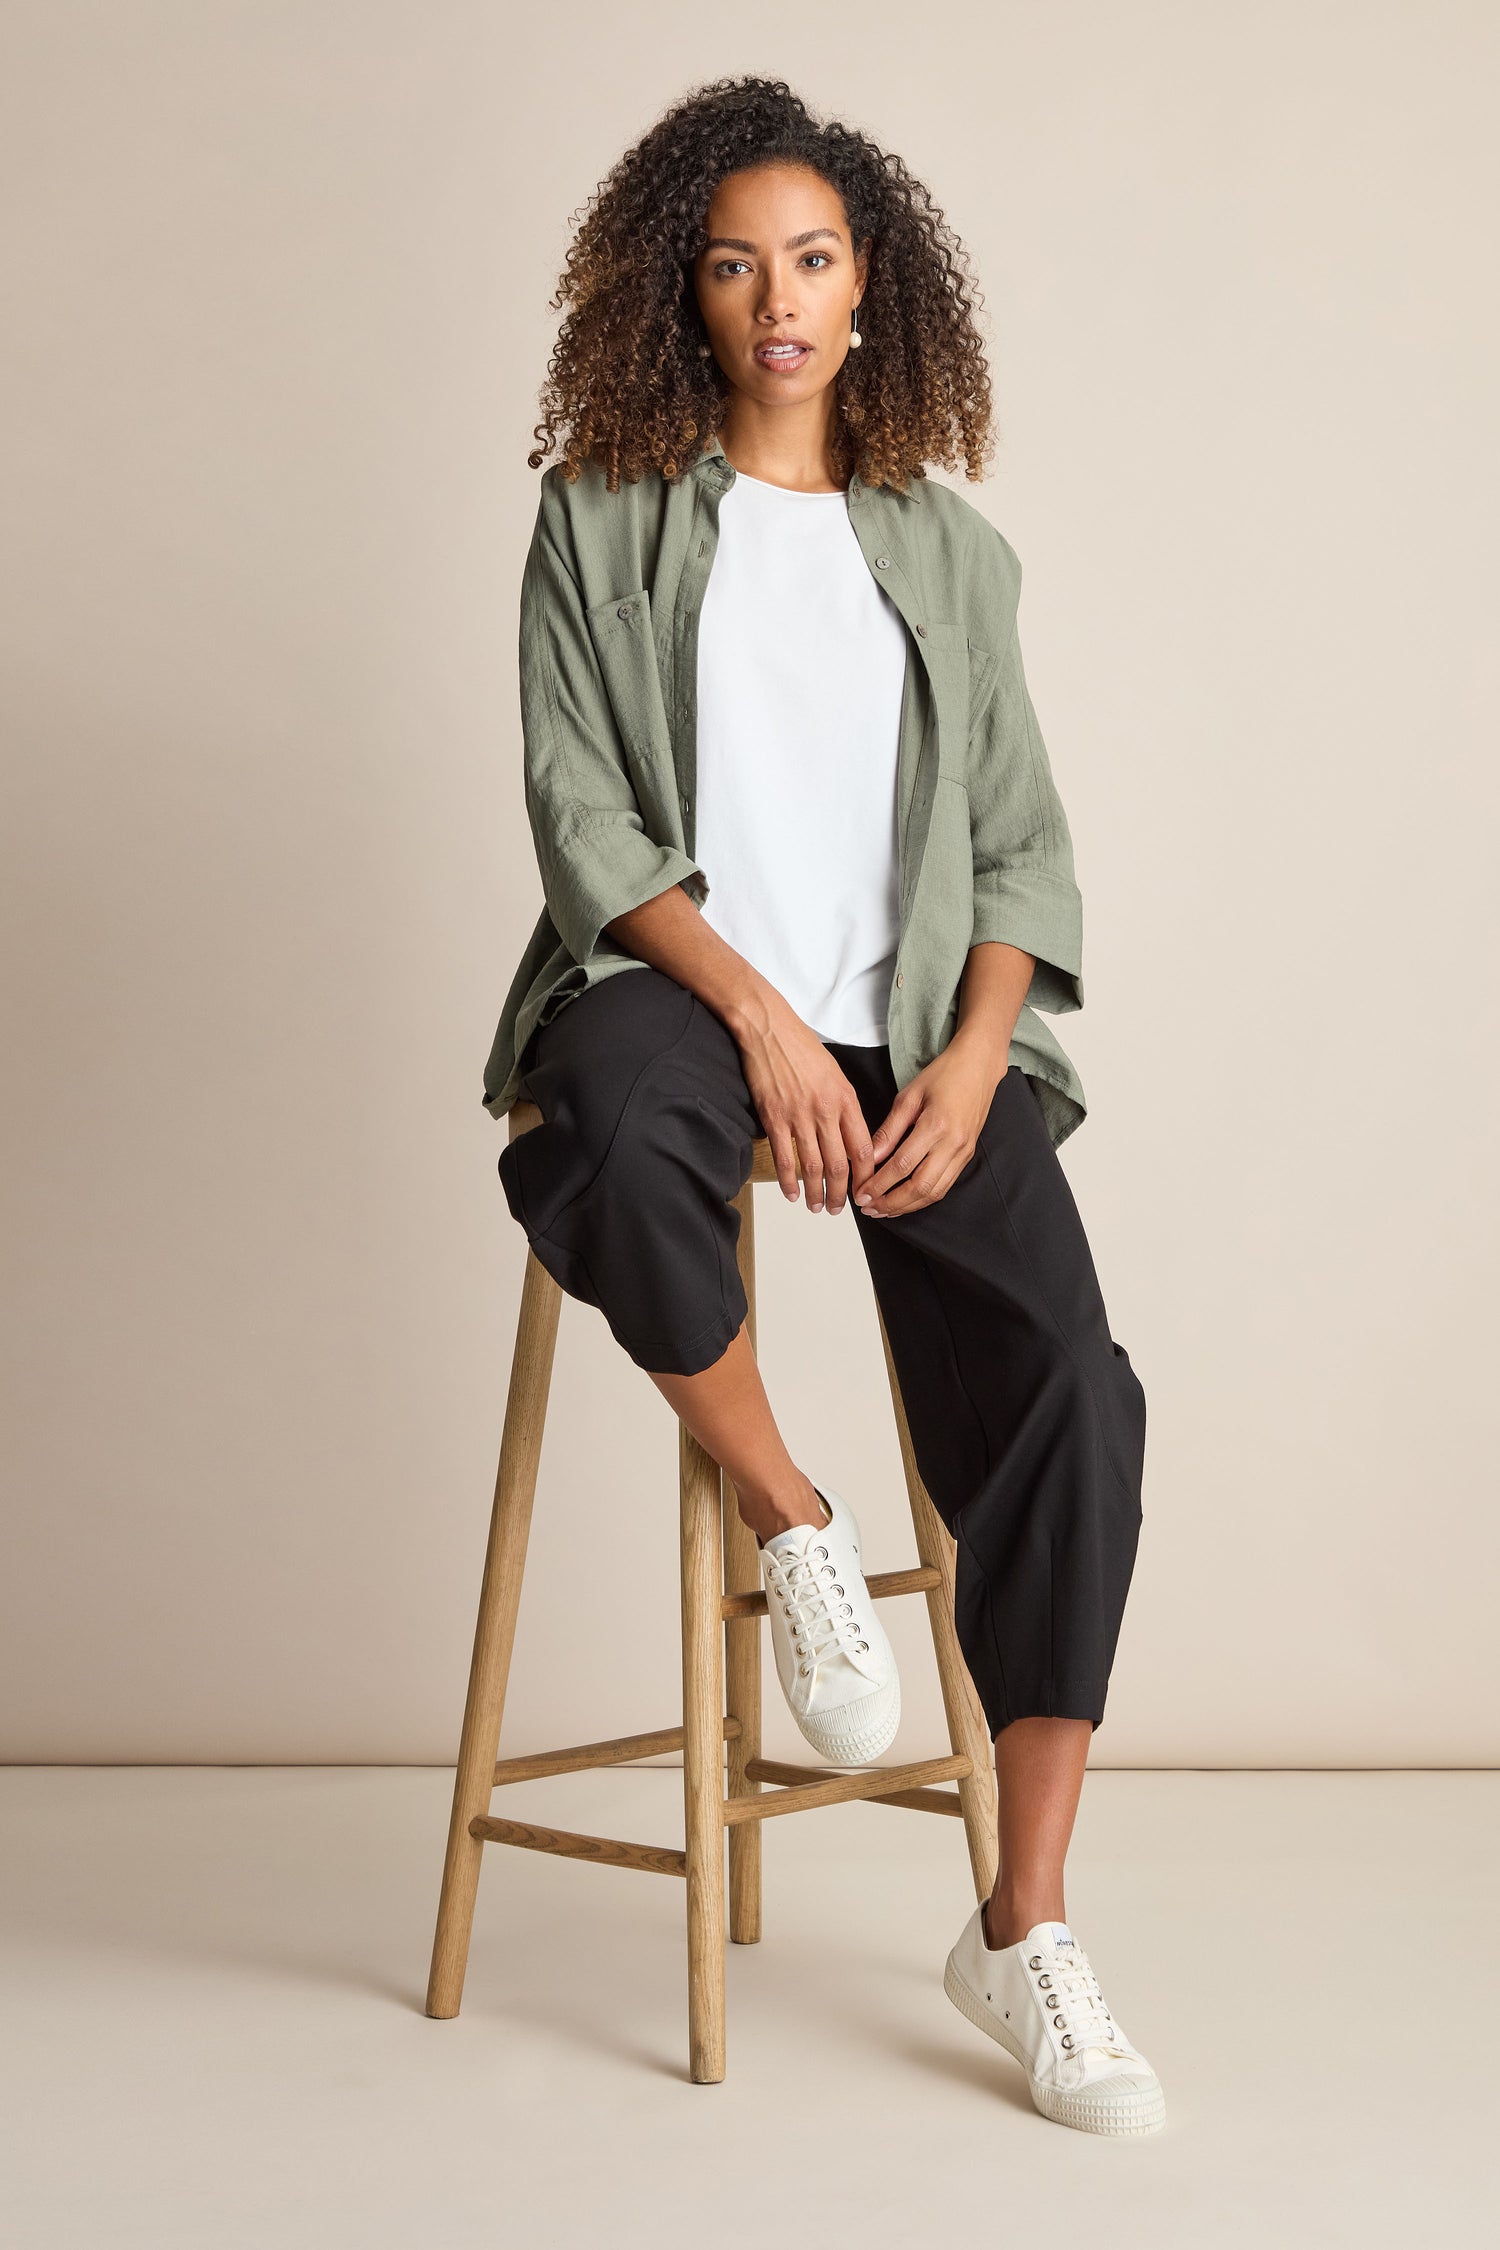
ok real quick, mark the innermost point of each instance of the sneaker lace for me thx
(1069, 1990)
(823, 1620)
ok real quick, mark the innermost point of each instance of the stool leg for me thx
(700, 1483)
(742, 1650)
(967, 1731)
(494, 1637)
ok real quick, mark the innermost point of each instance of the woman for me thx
(782, 768)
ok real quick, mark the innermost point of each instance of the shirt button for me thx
(687, 804)
(624, 610)
(882, 562)
(900, 978)
(922, 629)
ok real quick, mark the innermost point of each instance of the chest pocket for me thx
(624, 639)
(944, 648)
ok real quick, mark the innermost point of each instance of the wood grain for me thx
(647, 1859)
(841, 1789)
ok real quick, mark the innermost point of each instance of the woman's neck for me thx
(788, 446)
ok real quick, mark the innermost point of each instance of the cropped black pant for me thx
(1027, 1419)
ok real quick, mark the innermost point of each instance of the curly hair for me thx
(632, 382)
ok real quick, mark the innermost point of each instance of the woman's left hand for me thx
(930, 1133)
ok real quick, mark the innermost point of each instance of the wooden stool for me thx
(721, 1608)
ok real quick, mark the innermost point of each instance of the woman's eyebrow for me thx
(796, 241)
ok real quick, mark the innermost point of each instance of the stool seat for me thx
(722, 1605)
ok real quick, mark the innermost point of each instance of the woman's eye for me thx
(727, 265)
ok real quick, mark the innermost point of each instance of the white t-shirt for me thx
(801, 664)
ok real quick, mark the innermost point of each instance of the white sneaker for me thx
(1041, 2000)
(837, 1668)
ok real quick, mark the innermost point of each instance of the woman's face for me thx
(778, 270)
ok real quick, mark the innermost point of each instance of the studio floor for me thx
(214, 2037)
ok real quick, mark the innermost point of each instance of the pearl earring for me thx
(855, 338)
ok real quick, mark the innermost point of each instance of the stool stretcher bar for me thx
(807, 1786)
(843, 1789)
(913, 1800)
(588, 1754)
(881, 1586)
(648, 1859)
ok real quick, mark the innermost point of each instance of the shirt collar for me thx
(713, 462)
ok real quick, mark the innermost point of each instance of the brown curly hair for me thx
(632, 381)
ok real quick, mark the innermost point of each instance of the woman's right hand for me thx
(807, 1106)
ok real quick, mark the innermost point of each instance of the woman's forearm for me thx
(670, 933)
(995, 983)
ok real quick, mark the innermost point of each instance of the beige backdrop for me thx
(276, 294)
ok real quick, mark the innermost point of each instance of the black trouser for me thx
(1027, 1419)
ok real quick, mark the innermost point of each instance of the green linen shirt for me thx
(610, 600)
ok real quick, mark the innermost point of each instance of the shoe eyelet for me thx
(1035, 1962)
(1066, 2040)
(1044, 1982)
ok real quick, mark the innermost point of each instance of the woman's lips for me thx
(785, 359)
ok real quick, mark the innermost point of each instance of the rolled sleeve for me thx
(593, 851)
(1024, 888)
(596, 864)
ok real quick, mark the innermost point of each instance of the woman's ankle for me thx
(1008, 1915)
(771, 1509)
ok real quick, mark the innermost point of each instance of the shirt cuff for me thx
(1043, 915)
(605, 866)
